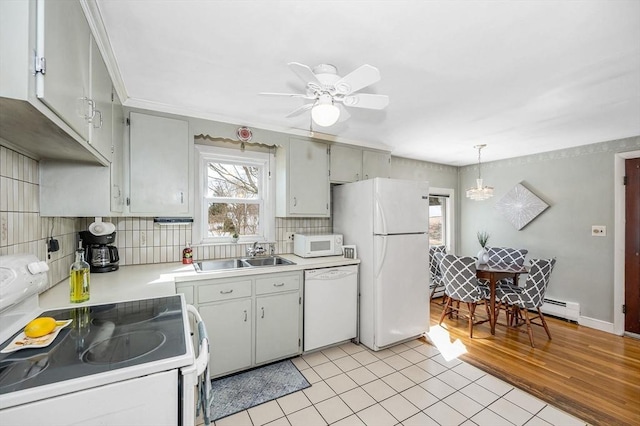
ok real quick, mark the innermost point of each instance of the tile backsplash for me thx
(138, 239)
(22, 230)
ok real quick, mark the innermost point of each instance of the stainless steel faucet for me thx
(255, 249)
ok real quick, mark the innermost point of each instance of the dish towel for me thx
(205, 397)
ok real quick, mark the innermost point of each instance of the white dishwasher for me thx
(330, 306)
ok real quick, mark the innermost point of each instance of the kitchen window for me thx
(235, 190)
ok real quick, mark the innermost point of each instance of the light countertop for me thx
(156, 280)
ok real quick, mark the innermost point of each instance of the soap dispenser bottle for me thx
(79, 277)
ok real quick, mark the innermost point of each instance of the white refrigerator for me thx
(388, 221)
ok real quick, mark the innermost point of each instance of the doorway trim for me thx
(619, 239)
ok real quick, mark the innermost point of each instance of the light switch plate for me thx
(598, 231)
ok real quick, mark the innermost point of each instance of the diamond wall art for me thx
(520, 206)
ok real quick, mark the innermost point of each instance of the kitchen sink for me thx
(218, 265)
(267, 261)
(245, 262)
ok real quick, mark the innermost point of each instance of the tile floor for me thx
(409, 384)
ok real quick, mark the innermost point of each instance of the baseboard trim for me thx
(597, 324)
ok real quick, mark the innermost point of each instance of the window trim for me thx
(449, 193)
(206, 154)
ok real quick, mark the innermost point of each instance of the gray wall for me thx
(578, 185)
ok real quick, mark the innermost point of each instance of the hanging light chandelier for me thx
(479, 192)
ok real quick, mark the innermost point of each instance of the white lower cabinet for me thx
(229, 328)
(276, 334)
(250, 320)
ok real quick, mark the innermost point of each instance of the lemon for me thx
(40, 327)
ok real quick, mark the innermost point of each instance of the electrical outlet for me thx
(290, 236)
(598, 231)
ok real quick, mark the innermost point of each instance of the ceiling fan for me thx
(327, 90)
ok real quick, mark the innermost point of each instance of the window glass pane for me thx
(232, 180)
(437, 219)
(227, 218)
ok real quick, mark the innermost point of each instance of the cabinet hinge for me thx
(329, 150)
(624, 180)
(128, 122)
(624, 309)
(40, 65)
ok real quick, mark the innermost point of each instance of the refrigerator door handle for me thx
(380, 264)
(383, 219)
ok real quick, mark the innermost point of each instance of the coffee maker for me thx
(100, 254)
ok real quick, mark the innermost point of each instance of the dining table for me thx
(494, 272)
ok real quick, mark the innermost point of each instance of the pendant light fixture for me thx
(479, 192)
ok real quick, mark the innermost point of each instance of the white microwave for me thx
(316, 245)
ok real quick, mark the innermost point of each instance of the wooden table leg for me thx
(492, 298)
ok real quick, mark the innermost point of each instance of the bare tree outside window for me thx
(233, 194)
(436, 220)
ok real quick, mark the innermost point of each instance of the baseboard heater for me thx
(562, 309)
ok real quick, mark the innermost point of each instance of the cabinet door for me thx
(346, 164)
(375, 164)
(101, 122)
(229, 328)
(63, 40)
(117, 157)
(277, 326)
(159, 165)
(308, 178)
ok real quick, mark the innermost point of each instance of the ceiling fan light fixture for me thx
(325, 113)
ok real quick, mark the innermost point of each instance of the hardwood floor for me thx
(588, 373)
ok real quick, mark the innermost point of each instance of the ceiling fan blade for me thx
(300, 110)
(357, 79)
(365, 100)
(304, 72)
(290, 95)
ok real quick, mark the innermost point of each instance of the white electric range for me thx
(130, 362)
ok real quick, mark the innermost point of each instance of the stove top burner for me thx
(125, 347)
(12, 373)
(101, 338)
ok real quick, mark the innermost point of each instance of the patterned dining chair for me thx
(461, 286)
(505, 255)
(517, 301)
(436, 253)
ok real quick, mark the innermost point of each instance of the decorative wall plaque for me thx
(520, 206)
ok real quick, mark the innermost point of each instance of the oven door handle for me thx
(203, 353)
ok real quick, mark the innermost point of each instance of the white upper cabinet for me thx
(346, 164)
(100, 125)
(63, 60)
(302, 178)
(375, 164)
(46, 105)
(78, 189)
(117, 155)
(158, 166)
(351, 164)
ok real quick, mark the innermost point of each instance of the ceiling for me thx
(520, 76)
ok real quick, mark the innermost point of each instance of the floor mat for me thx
(250, 388)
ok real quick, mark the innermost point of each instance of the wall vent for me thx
(562, 309)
